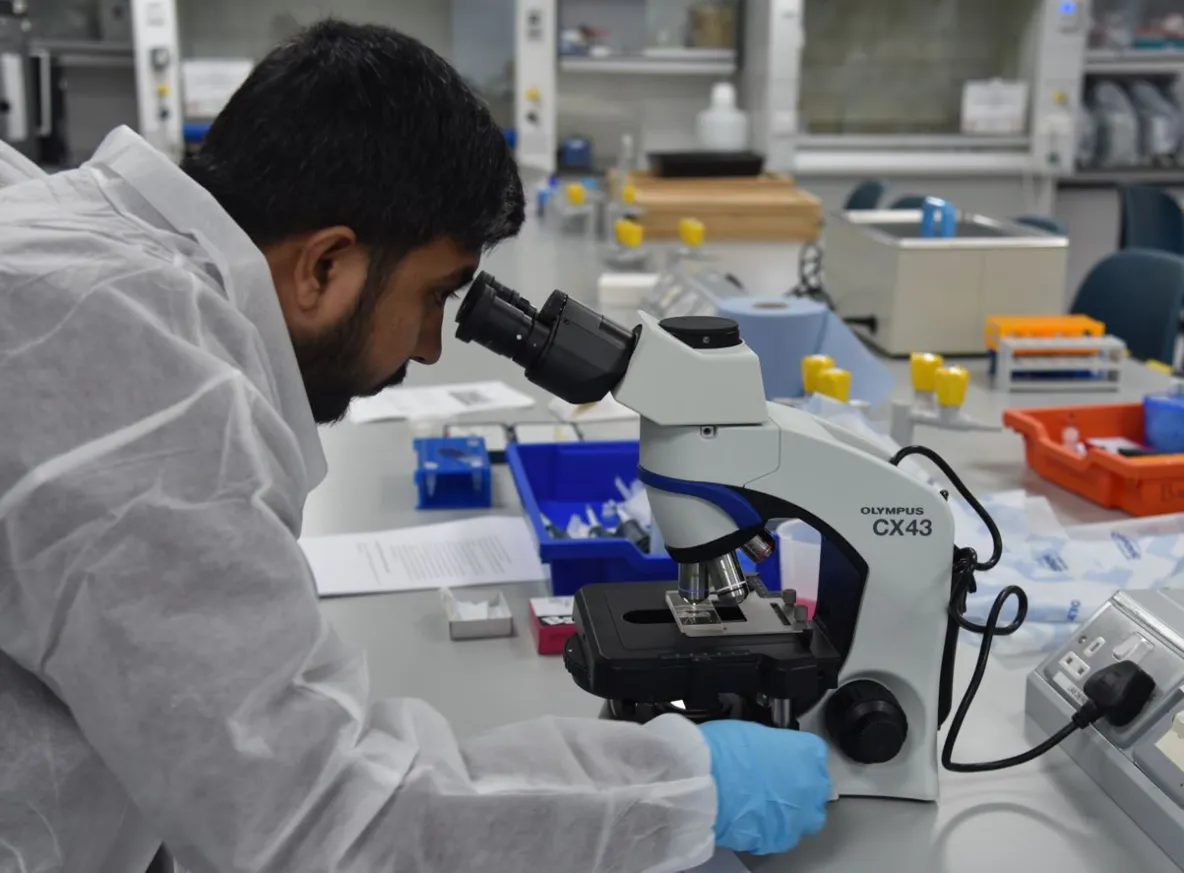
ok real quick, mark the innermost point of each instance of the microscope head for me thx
(565, 348)
(683, 375)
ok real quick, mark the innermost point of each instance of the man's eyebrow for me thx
(459, 278)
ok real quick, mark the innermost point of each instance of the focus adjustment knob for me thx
(866, 722)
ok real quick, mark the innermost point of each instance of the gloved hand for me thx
(772, 785)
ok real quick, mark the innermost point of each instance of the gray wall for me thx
(236, 29)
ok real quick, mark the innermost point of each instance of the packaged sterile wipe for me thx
(1118, 126)
(1159, 121)
(1087, 137)
(1067, 572)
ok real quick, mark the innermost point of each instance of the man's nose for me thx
(427, 350)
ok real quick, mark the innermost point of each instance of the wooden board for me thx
(761, 208)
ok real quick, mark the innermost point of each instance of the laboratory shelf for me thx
(87, 53)
(914, 142)
(1105, 178)
(1134, 61)
(687, 62)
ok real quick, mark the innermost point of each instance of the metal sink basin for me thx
(934, 294)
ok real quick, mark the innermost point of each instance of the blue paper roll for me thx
(781, 331)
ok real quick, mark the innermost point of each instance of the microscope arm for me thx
(719, 462)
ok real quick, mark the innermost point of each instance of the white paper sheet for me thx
(437, 402)
(606, 409)
(723, 862)
(478, 551)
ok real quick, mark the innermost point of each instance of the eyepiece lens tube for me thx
(495, 317)
(568, 349)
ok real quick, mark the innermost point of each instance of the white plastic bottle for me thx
(722, 127)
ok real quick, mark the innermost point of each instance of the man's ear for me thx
(324, 286)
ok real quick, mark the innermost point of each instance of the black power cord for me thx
(810, 276)
(1117, 691)
(811, 286)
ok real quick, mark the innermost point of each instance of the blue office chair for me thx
(865, 195)
(1044, 223)
(1138, 294)
(908, 201)
(1151, 219)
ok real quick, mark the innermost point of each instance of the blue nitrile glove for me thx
(772, 785)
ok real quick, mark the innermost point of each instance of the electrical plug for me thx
(1117, 692)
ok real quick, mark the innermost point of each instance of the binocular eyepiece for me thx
(565, 348)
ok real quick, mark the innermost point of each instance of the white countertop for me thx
(1043, 816)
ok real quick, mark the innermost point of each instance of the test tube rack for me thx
(453, 473)
(1069, 363)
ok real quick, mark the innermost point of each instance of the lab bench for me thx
(1046, 815)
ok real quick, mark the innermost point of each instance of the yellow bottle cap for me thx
(812, 366)
(629, 193)
(951, 383)
(629, 233)
(692, 232)
(533, 94)
(577, 194)
(835, 382)
(162, 89)
(922, 366)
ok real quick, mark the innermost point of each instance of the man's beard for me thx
(333, 364)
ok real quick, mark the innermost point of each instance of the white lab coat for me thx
(165, 673)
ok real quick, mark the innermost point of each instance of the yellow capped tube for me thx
(950, 384)
(835, 382)
(577, 194)
(812, 367)
(922, 368)
(629, 233)
(629, 194)
(692, 232)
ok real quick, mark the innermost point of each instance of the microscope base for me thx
(628, 649)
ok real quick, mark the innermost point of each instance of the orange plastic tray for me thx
(1040, 327)
(1140, 486)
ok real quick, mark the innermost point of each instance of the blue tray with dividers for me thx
(560, 480)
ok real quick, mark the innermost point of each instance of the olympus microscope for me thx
(872, 670)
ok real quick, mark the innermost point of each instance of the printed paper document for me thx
(479, 551)
(437, 402)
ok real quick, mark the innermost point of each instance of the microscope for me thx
(872, 671)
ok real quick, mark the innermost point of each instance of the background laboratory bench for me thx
(1046, 815)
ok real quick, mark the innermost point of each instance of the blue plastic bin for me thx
(1163, 422)
(560, 480)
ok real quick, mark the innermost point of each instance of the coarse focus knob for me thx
(866, 722)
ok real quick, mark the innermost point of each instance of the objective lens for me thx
(566, 348)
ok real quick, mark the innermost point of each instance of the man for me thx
(168, 341)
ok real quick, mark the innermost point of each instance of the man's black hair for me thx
(362, 126)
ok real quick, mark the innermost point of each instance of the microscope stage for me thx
(628, 647)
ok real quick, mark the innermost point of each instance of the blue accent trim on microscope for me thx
(724, 496)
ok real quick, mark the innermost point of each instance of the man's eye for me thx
(443, 297)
